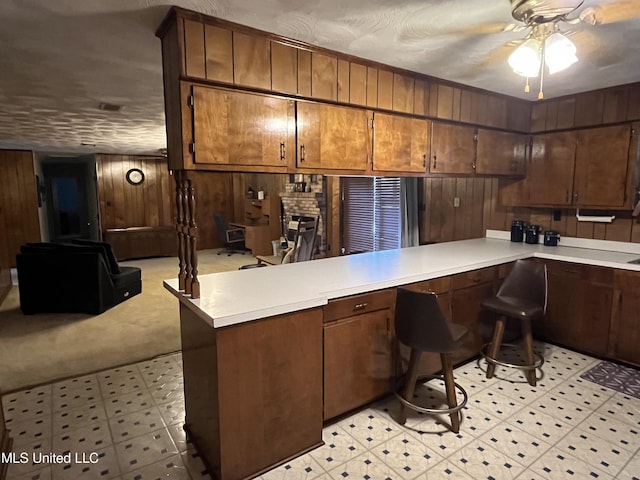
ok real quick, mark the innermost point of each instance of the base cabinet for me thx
(358, 351)
(579, 306)
(626, 319)
(5, 443)
(466, 308)
(253, 391)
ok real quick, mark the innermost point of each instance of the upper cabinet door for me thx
(453, 149)
(602, 158)
(501, 153)
(236, 128)
(550, 175)
(333, 138)
(400, 144)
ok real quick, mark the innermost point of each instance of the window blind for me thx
(371, 218)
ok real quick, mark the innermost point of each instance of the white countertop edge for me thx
(228, 320)
(591, 244)
(322, 297)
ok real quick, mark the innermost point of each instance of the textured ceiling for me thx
(62, 58)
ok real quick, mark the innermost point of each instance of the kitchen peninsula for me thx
(257, 365)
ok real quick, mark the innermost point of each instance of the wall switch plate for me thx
(456, 201)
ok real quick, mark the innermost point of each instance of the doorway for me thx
(71, 198)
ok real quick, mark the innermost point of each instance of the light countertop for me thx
(229, 298)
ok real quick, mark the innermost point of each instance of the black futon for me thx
(82, 276)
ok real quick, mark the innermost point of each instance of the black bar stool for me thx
(522, 295)
(421, 325)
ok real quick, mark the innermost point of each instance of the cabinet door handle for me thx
(424, 160)
(566, 199)
(435, 160)
(301, 153)
(359, 306)
(282, 151)
(575, 197)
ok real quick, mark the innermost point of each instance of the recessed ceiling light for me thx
(109, 107)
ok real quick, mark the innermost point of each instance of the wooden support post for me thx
(184, 185)
(193, 236)
(179, 230)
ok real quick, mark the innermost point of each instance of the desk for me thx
(256, 237)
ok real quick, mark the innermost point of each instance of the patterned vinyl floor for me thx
(129, 421)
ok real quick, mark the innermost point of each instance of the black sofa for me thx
(82, 276)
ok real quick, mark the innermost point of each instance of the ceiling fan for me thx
(545, 44)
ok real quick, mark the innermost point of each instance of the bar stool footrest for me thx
(538, 363)
(444, 411)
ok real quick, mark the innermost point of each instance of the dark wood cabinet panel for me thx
(602, 157)
(626, 335)
(194, 58)
(453, 149)
(403, 93)
(236, 128)
(358, 361)
(400, 144)
(501, 153)
(332, 137)
(550, 174)
(5, 442)
(579, 306)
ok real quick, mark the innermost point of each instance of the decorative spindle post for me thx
(185, 230)
(179, 230)
(193, 234)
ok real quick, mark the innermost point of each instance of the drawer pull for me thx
(359, 306)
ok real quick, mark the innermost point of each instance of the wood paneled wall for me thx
(479, 210)
(18, 207)
(214, 194)
(597, 107)
(123, 205)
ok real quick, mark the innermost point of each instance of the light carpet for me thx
(41, 348)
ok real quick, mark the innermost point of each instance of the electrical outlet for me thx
(456, 202)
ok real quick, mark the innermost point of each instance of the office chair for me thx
(304, 244)
(232, 238)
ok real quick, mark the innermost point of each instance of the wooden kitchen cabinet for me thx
(5, 442)
(453, 149)
(549, 173)
(581, 168)
(602, 157)
(400, 144)
(359, 363)
(241, 129)
(470, 289)
(626, 319)
(501, 153)
(332, 138)
(579, 306)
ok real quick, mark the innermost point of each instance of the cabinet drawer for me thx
(474, 277)
(358, 304)
(591, 274)
(436, 285)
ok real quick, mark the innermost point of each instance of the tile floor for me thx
(565, 427)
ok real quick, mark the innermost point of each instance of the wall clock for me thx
(135, 176)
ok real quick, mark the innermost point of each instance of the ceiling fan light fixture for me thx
(559, 52)
(525, 60)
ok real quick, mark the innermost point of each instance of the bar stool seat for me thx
(523, 296)
(421, 325)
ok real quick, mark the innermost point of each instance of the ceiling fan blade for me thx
(422, 32)
(590, 49)
(617, 11)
